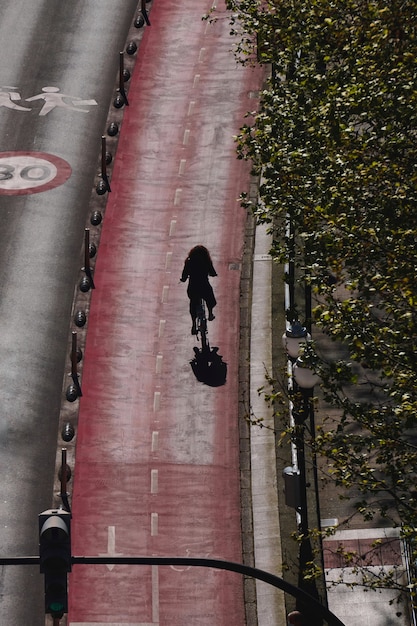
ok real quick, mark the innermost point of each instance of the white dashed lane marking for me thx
(181, 168)
(154, 524)
(155, 441)
(154, 481)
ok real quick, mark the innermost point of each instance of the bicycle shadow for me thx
(208, 366)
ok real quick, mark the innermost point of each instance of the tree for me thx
(334, 141)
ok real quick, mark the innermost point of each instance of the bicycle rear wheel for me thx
(203, 334)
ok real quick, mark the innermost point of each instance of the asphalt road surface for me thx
(58, 67)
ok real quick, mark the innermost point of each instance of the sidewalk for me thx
(266, 522)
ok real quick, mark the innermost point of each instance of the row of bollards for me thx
(73, 390)
(121, 98)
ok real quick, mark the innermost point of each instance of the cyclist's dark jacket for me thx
(198, 272)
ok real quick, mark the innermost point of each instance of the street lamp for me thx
(294, 338)
(305, 377)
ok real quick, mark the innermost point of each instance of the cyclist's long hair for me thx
(201, 255)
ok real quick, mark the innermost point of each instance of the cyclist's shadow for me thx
(208, 366)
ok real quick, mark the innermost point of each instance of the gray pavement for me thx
(266, 523)
(72, 48)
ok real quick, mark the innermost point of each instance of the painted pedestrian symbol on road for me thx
(51, 96)
(8, 99)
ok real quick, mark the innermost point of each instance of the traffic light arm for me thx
(259, 574)
(239, 568)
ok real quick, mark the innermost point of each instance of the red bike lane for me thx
(157, 452)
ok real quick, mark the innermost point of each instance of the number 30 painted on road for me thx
(31, 172)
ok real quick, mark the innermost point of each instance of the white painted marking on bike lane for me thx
(156, 401)
(155, 441)
(111, 546)
(154, 524)
(172, 227)
(165, 292)
(181, 168)
(154, 481)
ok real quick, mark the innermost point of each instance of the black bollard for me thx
(71, 393)
(85, 284)
(113, 129)
(131, 48)
(80, 319)
(101, 188)
(119, 101)
(67, 432)
(96, 218)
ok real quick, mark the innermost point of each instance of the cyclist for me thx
(198, 266)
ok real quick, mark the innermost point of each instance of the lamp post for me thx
(302, 382)
(293, 339)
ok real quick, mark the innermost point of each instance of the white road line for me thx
(181, 168)
(155, 441)
(177, 196)
(154, 481)
(111, 546)
(158, 367)
(165, 291)
(168, 260)
(155, 594)
(156, 400)
(201, 55)
(154, 524)
(191, 107)
(161, 328)
(196, 80)
(186, 137)
(172, 227)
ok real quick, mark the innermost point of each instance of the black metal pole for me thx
(74, 372)
(104, 175)
(87, 267)
(122, 89)
(239, 568)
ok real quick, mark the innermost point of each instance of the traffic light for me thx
(55, 558)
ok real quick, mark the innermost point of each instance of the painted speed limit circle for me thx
(31, 172)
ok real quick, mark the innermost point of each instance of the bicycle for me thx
(208, 365)
(201, 325)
